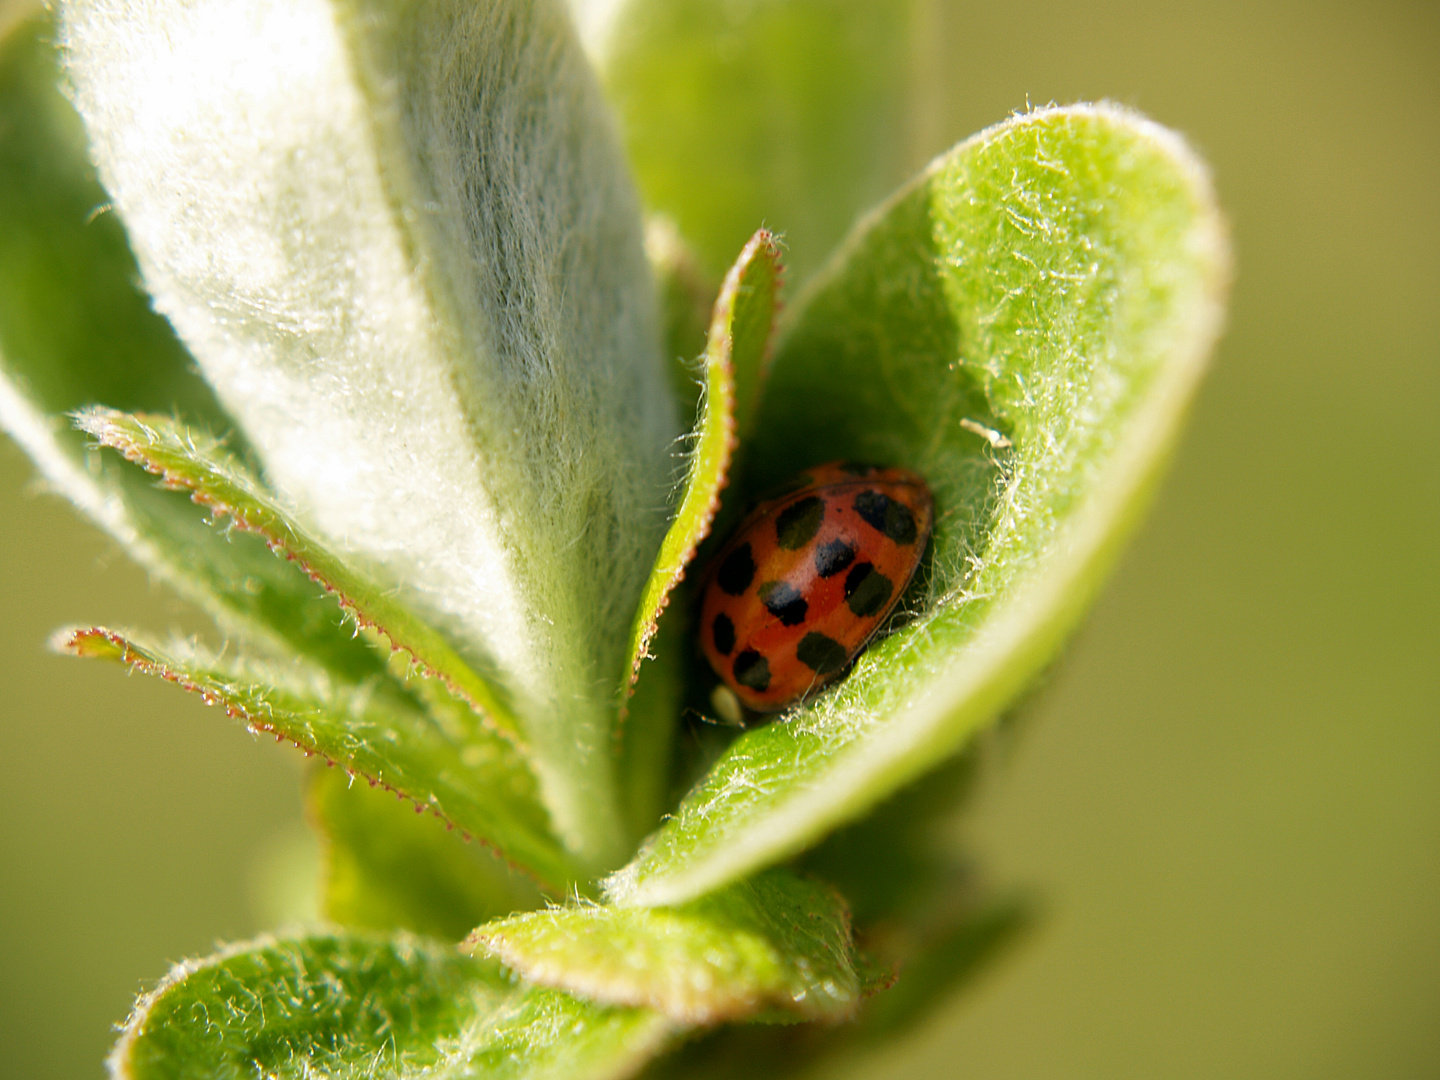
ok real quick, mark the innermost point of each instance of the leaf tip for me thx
(87, 642)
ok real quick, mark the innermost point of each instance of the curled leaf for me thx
(1024, 326)
(733, 366)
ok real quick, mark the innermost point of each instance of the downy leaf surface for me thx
(359, 1007)
(1024, 326)
(401, 244)
(75, 329)
(190, 460)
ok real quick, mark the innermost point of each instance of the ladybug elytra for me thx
(808, 578)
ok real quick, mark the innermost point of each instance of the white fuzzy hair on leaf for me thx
(401, 244)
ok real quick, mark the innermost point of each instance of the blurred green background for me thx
(1227, 797)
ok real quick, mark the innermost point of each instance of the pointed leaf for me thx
(793, 114)
(352, 1007)
(194, 461)
(648, 719)
(777, 942)
(75, 329)
(401, 244)
(735, 355)
(389, 868)
(1024, 327)
(462, 773)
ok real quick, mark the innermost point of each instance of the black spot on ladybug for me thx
(798, 522)
(722, 632)
(867, 590)
(737, 571)
(784, 602)
(752, 670)
(822, 655)
(833, 556)
(884, 514)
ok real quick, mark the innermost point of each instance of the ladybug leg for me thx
(729, 711)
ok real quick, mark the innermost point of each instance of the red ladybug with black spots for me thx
(809, 577)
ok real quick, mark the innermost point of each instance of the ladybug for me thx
(808, 578)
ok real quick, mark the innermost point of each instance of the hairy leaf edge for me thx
(709, 470)
(100, 643)
(1009, 652)
(106, 426)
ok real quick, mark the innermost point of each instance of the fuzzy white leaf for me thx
(400, 242)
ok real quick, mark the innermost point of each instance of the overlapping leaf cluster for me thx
(413, 442)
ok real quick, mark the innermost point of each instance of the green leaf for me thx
(735, 355)
(352, 1007)
(777, 942)
(813, 1051)
(647, 735)
(73, 323)
(402, 245)
(1024, 326)
(191, 460)
(75, 329)
(794, 114)
(388, 868)
(448, 765)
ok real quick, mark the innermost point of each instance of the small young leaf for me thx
(196, 462)
(735, 355)
(736, 352)
(466, 775)
(648, 727)
(355, 1007)
(75, 329)
(777, 942)
(401, 243)
(266, 602)
(1024, 327)
(389, 868)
